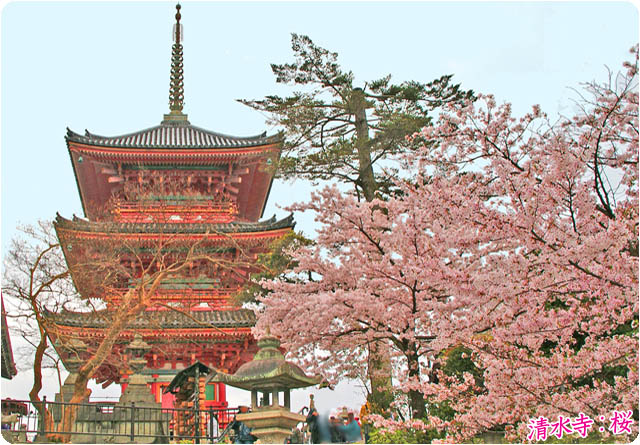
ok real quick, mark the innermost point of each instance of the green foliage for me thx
(606, 373)
(442, 410)
(380, 399)
(594, 436)
(630, 328)
(459, 360)
(272, 264)
(326, 137)
(418, 436)
(404, 436)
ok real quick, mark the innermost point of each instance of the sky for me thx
(104, 66)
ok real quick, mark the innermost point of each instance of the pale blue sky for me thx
(104, 66)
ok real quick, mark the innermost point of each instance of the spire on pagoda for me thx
(176, 87)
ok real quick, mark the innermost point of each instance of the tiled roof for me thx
(173, 135)
(173, 227)
(164, 319)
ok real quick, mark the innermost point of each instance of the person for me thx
(312, 423)
(318, 426)
(364, 424)
(296, 436)
(336, 435)
(351, 431)
(242, 432)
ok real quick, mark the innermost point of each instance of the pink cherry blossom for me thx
(516, 238)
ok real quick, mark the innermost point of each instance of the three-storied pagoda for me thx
(177, 182)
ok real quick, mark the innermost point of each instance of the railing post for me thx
(196, 405)
(210, 435)
(197, 424)
(43, 416)
(133, 409)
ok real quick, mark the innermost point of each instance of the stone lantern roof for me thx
(267, 371)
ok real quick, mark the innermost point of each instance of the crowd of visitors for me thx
(335, 429)
(339, 428)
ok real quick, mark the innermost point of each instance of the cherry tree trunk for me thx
(366, 177)
(416, 397)
(379, 366)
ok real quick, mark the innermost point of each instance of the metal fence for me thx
(109, 422)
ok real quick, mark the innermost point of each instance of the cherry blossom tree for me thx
(553, 317)
(516, 240)
(340, 132)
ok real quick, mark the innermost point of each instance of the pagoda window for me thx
(211, 392)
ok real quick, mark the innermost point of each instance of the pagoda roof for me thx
(84, 225)
(159, 319)
(8, 364)
(173, 136)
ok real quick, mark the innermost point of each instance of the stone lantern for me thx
(266, 376)
(136, 396)
(74, 349)
(137, 390)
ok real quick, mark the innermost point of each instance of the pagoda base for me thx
(271, 425)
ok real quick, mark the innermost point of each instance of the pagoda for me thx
(178, 182)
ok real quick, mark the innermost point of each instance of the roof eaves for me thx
(215, 140)
(75, 173)
(127, 227)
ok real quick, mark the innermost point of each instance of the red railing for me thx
(187, 211)
(218, 296)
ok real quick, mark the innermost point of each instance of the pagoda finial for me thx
(176, 87)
